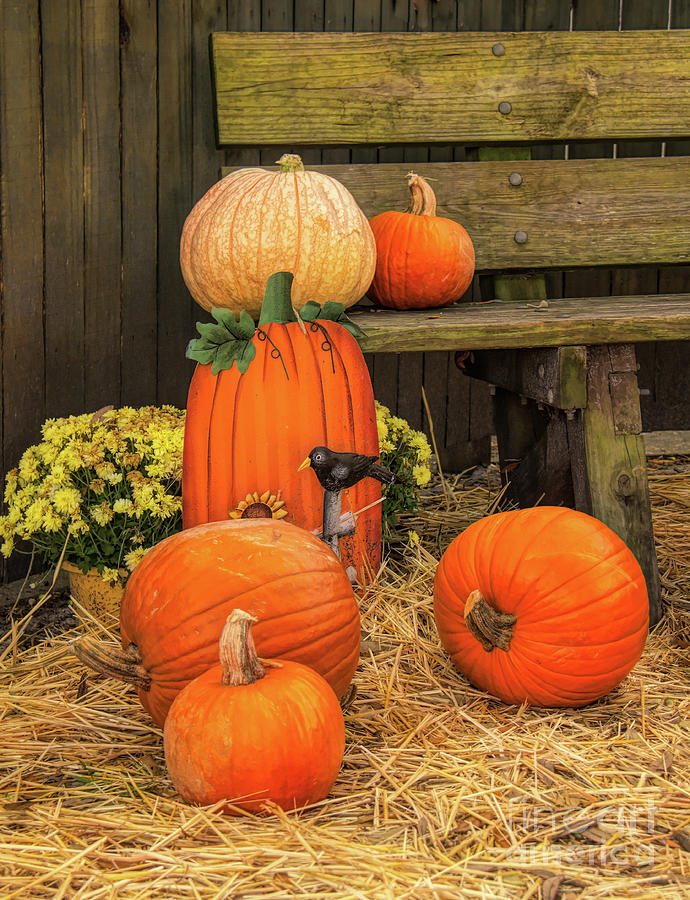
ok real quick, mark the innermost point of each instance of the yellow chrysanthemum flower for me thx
(102, 514)
(133, 558)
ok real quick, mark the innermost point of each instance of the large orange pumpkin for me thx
(178, 598)
(248, 428)
(251, 733)
(422, 260)
(254, 222)
(545, 606)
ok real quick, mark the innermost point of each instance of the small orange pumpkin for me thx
(177, 600)
(545, 606)
(251, 733)
(422, 260)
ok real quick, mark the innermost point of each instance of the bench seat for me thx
(502, 324)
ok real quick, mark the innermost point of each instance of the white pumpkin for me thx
(256, 222)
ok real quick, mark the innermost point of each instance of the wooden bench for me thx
(567, 412)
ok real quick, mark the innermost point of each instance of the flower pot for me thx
(98, 597)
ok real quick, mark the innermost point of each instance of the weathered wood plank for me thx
(556, 376)
(175, 306)
(435, 87)
(207, 16)
(102, 211)
(639, 209)
(63, 168)
(21, 214)
(471, 326)
(667, 443)
(616, 465)
(138, 104)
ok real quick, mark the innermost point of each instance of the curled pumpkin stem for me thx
(109, 659)
(422, 197)
(237, 651)
(290, 162)
(490, 627)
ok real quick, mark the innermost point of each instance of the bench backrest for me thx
(335, 89)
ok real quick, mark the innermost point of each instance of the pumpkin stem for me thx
(422, 198)
(490, 627)
(290, 162)
(237, 651)
(110, 659)
(277, 302)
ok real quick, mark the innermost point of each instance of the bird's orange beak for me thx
(307, 462)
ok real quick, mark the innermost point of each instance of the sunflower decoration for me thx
(264, 506)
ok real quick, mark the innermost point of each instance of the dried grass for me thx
(444, 792)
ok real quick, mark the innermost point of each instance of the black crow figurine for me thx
(337, 471)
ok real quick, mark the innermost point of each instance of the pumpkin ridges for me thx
(617, 655)
(303, 760)
(187, 239)
(423, 260)
(218, 253)
(195, 452)
(587, 616)
(327, 631)
(231, 270)
(255, 592)
(223, 261)
(253, 461)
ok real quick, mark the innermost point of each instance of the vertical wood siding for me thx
(107, 140)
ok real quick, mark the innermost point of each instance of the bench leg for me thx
(615, 469)
(590, 458)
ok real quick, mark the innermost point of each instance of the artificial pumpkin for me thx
(254, 222)
(249, 732)
(177, 600)
(260, 400)
(422, 260)
(545, 606)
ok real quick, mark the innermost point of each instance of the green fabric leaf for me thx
(224, 317)
(212, 334)
(332, 311)
(222, 344)
(310, 311)
(245, 328)
(246, 356)
(225, 357)
(198, 351)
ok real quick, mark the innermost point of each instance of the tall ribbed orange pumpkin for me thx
(255, 222)
(178, 598)
(546, 606)
(296, 385)
(422, 260)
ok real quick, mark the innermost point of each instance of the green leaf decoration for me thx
(329, 312)
(332, 311)
(227, 341)
(246, 356)
(225, 357)
(195, 350)
(212, 334)
(310, 311)
(245, 328)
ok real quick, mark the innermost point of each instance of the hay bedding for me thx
(444, 792)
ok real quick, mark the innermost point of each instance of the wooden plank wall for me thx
(107, 141)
